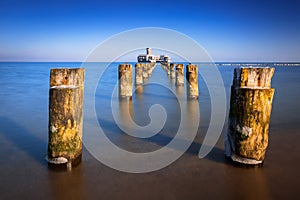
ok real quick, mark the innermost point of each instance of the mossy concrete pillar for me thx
(65, 116)
(179, 74)
(192, 81)
(125, 81)
(249, 117)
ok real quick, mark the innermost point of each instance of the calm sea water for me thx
(24, 135)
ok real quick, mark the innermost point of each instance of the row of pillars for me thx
(176, 71)
(250, 110)
(144, 70)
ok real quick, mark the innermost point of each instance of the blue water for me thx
(24, 135)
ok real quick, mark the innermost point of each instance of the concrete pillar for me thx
(152, 66)
(65, 116)
(145, 71)
(179, 74)
(250, 110)
(165, 66)
(192, 81)
(138, 74)
(125, 81)
(148, 69)
(168, 69)
(172, 70)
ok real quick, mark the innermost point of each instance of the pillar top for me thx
(67, 76)
(253, 77)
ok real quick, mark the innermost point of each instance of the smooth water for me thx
(24, 135)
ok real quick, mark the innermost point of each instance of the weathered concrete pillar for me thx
(168, 68)
(138, 74)
(172, 70)
(165, 66)
(148, 69)
(152, 66)
(145, 71)
(65, 116)
(192, 81)
(179, 74)
(250, 110)
(125, 81)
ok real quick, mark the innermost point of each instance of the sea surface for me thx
(24, 172)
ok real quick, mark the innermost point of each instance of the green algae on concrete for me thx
(65, 114)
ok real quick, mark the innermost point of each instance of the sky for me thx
(230, 31)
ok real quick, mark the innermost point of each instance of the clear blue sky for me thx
(241, 30)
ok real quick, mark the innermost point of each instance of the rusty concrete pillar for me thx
(125, 81)
(168, 69)
(152, 66)
(249, 117)
(148, 69)
(192, 81)
(145, 71)
(138, 74)
(179, 74)
(172, 70)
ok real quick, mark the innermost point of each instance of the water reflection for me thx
(126, 113)
(172, 78)
(249, 182)
(67, 185)
(139, 90)
(180, 91)
(192, 106)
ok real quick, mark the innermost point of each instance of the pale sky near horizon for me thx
(232, 30)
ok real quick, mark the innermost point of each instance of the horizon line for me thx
(294, 62)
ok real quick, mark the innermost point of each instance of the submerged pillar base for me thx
(251, 99)
(236, 158)
(62, 163)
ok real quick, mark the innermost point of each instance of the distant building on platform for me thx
(149, 57)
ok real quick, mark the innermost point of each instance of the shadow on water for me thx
(216, 154)
(137, 110)
(23, 140)
(121, 139)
